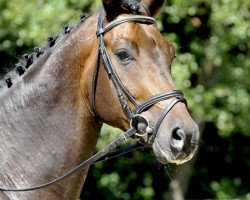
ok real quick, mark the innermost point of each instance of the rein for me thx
(132, 114)
(94, 159)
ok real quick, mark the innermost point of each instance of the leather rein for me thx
(132, 114)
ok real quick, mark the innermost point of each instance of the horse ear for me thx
(114, 8)
(152, 6)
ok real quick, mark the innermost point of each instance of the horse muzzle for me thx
(176, 146)
(174, 141)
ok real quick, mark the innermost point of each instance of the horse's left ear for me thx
(115, 8)
(151, 6)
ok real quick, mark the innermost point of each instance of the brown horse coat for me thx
(47, 125)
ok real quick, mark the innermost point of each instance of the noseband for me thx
(121, 90)
(132, 114)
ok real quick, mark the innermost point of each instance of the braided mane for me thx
(28, 60)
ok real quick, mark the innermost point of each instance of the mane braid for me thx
(28, 60)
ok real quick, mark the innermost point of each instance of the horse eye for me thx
(123, 55)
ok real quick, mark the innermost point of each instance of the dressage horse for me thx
(113, 67)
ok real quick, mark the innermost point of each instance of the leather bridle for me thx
(121, 90)
(134, 115)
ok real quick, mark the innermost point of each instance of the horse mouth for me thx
(166, 155)
(164, 152)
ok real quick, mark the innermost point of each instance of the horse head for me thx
(141, 59)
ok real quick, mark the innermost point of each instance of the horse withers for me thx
(113, 67)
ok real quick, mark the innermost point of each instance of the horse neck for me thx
(45, 122)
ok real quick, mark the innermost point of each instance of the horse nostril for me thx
(178, 134)
(177, 139)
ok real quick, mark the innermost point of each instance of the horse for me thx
(113, 67)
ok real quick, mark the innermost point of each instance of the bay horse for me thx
(113, 67)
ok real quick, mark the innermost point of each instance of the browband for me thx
(116, 22)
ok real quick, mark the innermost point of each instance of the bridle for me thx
(134, 115)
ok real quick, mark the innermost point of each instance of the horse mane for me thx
(29, 60)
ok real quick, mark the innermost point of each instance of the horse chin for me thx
(165, 156)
